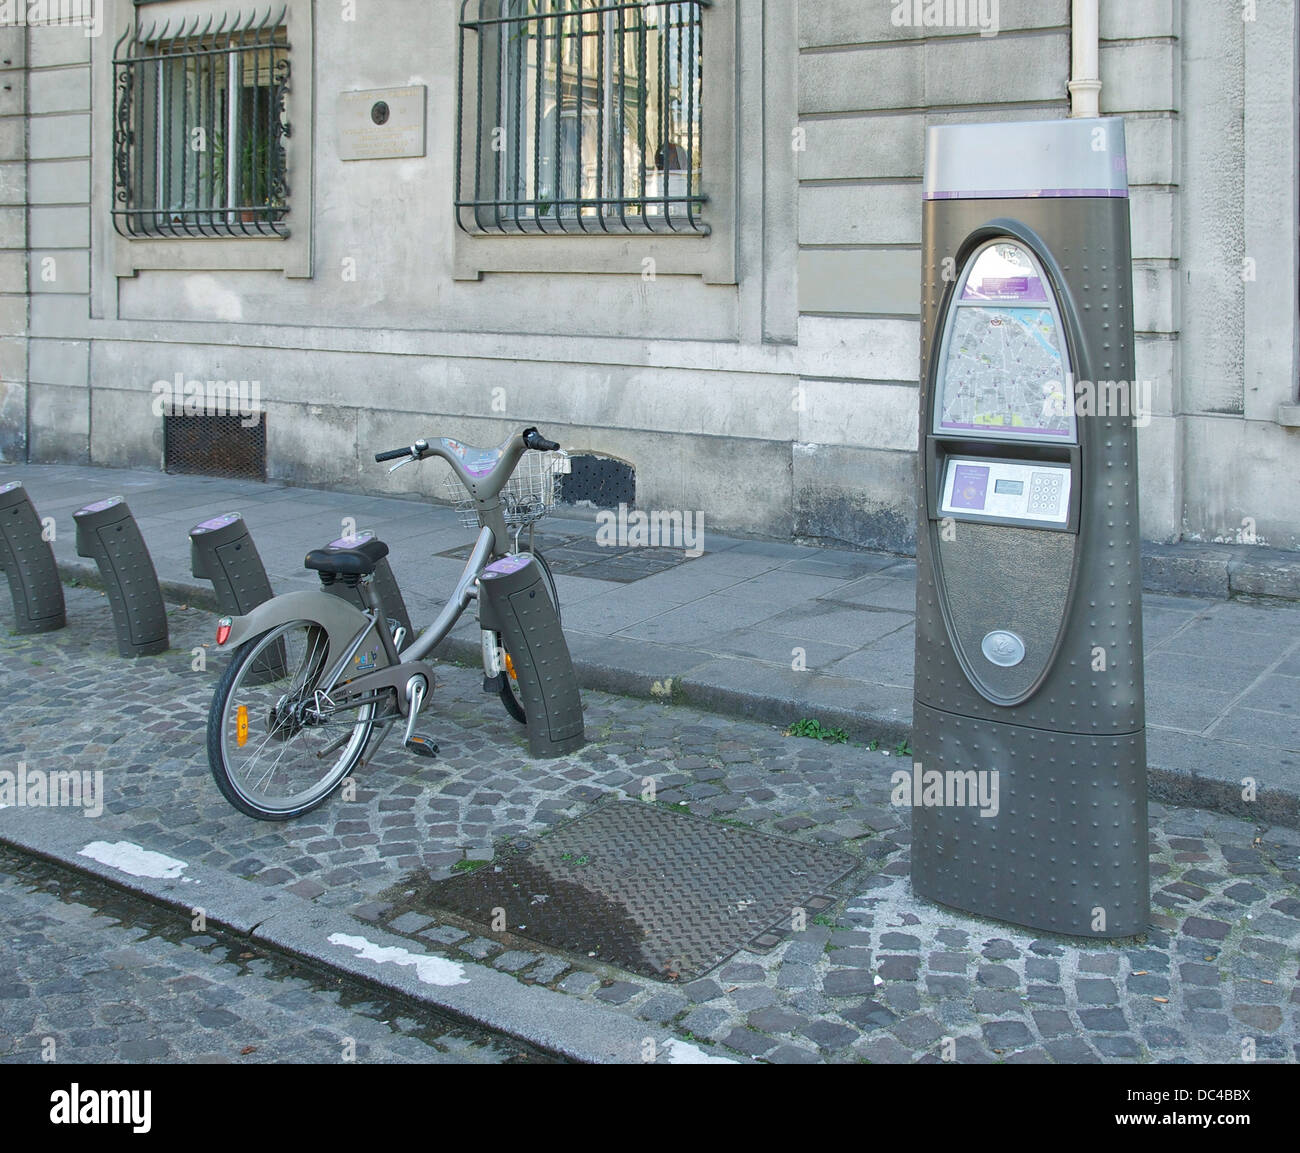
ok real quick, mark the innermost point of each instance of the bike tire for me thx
(275, 703)
(510, 695)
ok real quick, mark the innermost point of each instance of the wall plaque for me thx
(382, 124)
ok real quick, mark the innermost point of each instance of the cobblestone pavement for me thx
(881, 976)
(90, 975)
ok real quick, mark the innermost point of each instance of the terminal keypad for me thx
(1045, 493)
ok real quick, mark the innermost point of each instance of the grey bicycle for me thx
(314, 678)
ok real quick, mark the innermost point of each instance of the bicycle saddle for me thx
(357, 562)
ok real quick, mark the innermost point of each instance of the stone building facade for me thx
(750, 349)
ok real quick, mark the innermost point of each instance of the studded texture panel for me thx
(1067, 848)
(107, 533)
(28, 562)
(654, 892)
(518, 606)
(223, 552)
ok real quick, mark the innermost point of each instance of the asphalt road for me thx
(91, 975)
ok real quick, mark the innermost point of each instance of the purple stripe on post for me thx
(507, 565)
(100, 506)
(949, 425)
(1032, 194)
(216, 523)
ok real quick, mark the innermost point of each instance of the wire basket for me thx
(530, 493)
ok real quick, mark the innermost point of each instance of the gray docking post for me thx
(108, 535)
(385, 584)
(28, 561)
(222, 551)
(514, 602)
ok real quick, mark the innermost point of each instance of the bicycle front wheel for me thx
(277, 745)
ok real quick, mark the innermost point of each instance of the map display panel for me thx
(1004, 372)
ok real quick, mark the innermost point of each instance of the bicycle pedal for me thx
(422, 747)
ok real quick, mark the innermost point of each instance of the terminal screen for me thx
(1003, 366)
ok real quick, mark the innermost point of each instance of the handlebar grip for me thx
(536, 441)
(380, 457)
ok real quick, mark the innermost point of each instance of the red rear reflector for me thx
(223, 630)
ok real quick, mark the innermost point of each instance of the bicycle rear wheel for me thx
(511, 697)
(277, 746)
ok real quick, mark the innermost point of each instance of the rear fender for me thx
(341, 620)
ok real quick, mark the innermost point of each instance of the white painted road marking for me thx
(684, 1053)
(134, 860)
(430, 970)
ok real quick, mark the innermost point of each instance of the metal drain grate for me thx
(227, 446)
(582, 556)
(658, 893)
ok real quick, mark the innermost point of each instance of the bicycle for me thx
(313, 676)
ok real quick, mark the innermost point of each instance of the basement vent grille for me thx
(215, 446)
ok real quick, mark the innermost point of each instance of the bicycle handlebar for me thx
(536, 441)
(531, 439)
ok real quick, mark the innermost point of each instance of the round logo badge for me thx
(1003, 648)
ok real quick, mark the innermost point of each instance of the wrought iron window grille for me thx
(585, 116)
(200, 128)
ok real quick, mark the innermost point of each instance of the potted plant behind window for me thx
(254, 178)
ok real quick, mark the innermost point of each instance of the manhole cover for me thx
(651, 891)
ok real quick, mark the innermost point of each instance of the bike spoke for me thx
(318, 739)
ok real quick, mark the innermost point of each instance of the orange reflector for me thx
(241, 726)
(223, 630)
(510, 668)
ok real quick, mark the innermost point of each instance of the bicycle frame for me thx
(483, 473)
(466, 590)
(381, 690)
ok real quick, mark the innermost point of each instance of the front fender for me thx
(340, 620)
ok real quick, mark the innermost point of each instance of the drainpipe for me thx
(1085, 74)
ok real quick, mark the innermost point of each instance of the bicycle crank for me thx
(420, 746)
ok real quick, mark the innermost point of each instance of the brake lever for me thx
(421, 447)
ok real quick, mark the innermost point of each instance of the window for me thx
(589, 117)
(200, 128)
